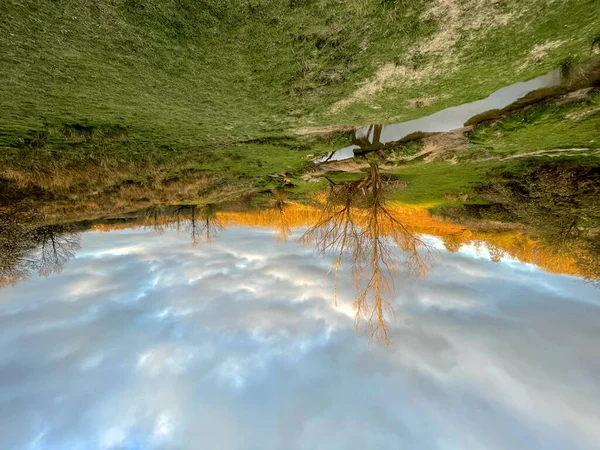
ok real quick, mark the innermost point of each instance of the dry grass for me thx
(128, 197)
(455, 16)
(385, 76)
(539, 53)
(65, 179)
(425, 101)
(323, 131)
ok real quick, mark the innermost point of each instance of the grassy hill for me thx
(183, 73)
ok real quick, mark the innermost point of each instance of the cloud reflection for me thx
(144, 342)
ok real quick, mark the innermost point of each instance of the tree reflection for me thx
(282, 220)
(356, 222)
(25, 250)
(56, 245)
(202, 223)
(16, 245)
(205, 223)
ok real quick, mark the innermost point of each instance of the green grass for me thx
(120, 95)
(186, 74)
(440, 184)
(429, 183)
(544, 126)
(411, 148)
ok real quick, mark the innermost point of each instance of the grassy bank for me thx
(544, 127)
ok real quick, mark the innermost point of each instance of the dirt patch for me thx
(555, 152)
(349, 166)
(438, 144)
(550, 153)
(540, 52)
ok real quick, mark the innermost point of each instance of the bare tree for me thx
(337, 227)
(155, 218)
(356, 221)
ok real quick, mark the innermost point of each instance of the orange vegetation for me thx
(515, 244)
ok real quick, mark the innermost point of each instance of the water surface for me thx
(145, 341)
